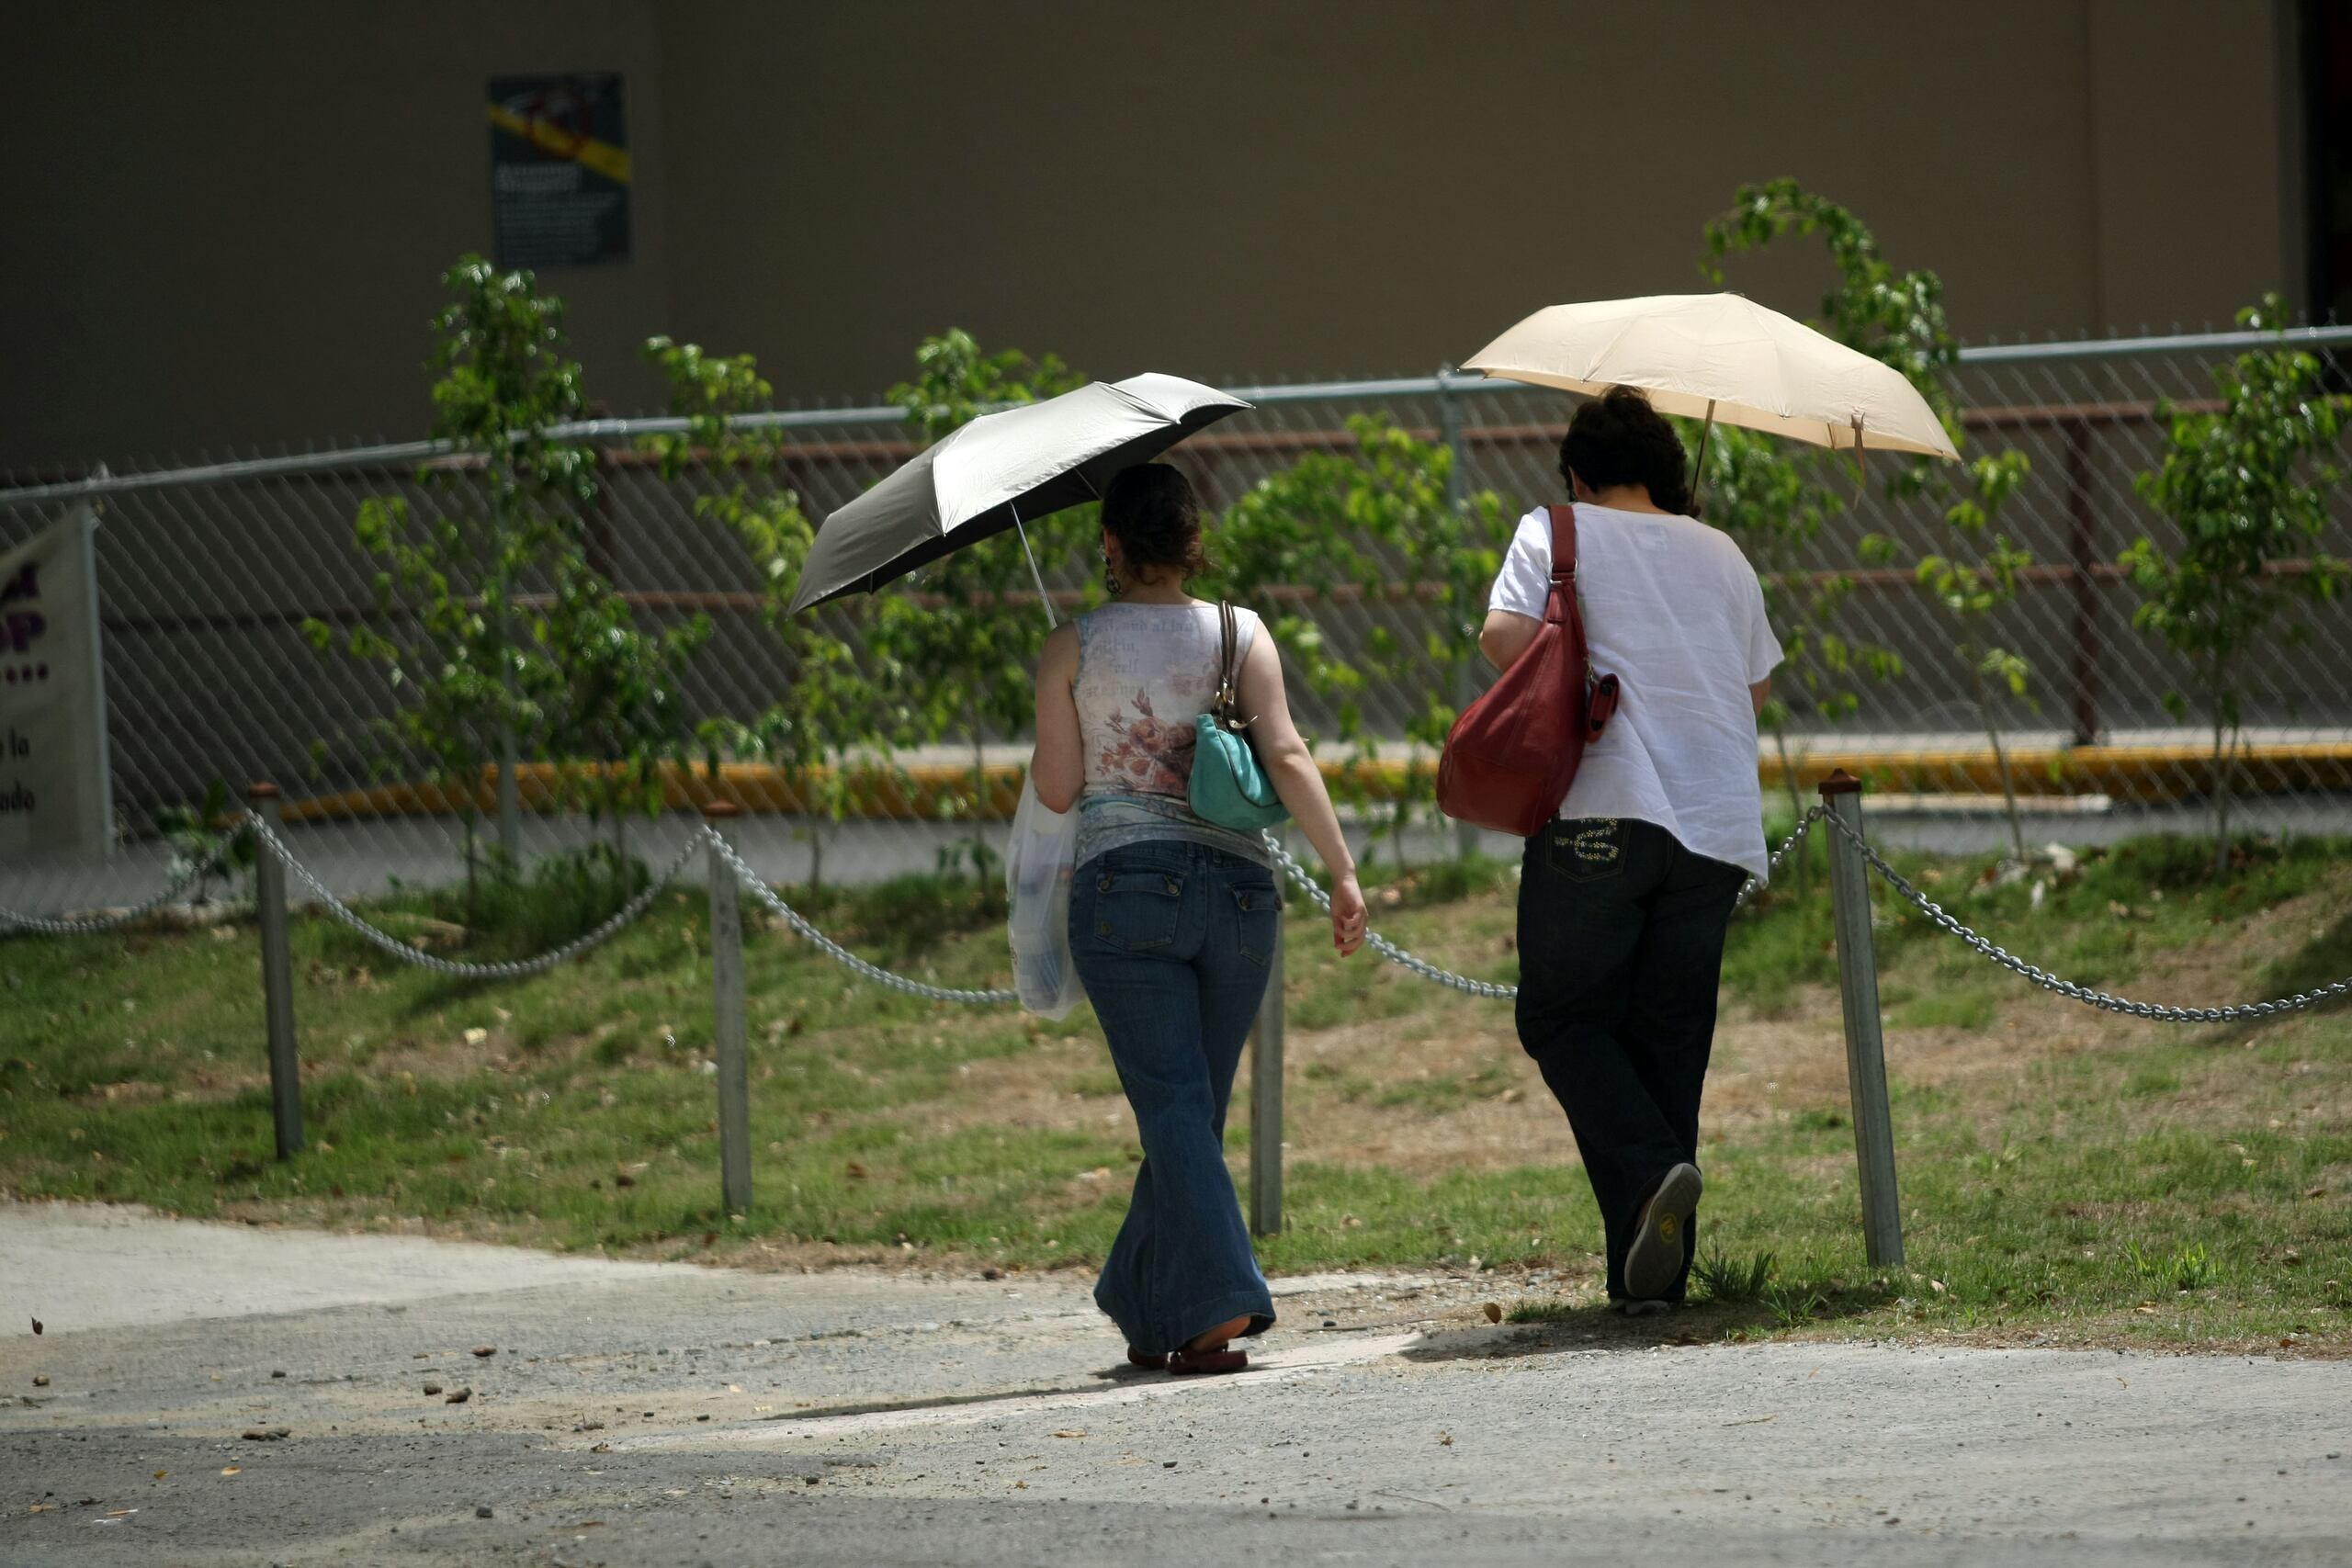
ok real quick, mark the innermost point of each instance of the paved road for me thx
(638, 1414)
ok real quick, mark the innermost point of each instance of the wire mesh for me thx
(208, 572)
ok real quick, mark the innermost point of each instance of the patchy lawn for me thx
(2067, 1176)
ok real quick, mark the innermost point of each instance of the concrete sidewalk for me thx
(641, 1413)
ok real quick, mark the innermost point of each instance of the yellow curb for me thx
(934, 791)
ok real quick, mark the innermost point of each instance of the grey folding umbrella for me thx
(980, 480)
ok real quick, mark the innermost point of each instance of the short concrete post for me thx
(1849, 905)
(278, 980)
(1266, 1100)
(727, 1020)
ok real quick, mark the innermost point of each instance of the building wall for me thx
(224, 223)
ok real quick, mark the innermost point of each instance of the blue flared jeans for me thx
(1173, 940)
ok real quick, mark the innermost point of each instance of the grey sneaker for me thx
(1656, 1257)
(1628, 1308)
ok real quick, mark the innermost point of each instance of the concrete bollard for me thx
(727, 1015)
(278, 981)
(1849, 902)
(1266, 1100)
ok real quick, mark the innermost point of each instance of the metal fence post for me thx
(510, 804)
(1849, 905)
(1266, 1100)
(278, 980)
(727, 1020)
(1448, 425)
(2082, 549)
(1457, 494)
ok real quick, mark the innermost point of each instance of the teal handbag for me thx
(1229, 786)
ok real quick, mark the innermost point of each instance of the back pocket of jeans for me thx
(1257, 913)
(1587, 849)
(1136, 911)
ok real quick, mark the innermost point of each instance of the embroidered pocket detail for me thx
(1598, 843)
(1593, 847)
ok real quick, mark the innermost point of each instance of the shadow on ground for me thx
(1551, 1330)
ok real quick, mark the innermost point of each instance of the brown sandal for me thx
(1202, 1363)
(1147, 1360)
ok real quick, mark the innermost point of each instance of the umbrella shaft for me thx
(1035, 576)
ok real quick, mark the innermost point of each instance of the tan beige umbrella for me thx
(1719, 356)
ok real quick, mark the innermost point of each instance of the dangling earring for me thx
(1110, 577)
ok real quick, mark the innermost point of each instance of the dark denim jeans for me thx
(1620, 949)
(1173, 940)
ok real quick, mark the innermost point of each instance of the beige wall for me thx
(226, 234)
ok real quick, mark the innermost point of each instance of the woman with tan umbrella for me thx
(1626, 894)
(1625, 898)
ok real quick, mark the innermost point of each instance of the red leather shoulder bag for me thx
(1510, 757)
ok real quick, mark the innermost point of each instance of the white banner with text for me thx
(56, 792)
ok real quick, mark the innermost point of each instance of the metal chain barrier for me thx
(835, 951)
(2106, 1002)
(189, 873)
(511, 969)
(1487, 988)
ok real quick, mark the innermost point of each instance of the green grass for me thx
(2190, 1186)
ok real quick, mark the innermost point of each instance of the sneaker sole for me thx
(1656, 1257)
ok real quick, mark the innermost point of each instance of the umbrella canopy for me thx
(986, 477)
(1720, 357)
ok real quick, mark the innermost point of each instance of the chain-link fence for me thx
(208, 572)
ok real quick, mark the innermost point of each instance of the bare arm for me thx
(1761, 692)
(1506, 636)
(1057, 766)
(1300, 783)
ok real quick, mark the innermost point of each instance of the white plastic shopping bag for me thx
(1038, 862)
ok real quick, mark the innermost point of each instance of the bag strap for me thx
(1564, 564)
(1601, 692)
(1226, 707)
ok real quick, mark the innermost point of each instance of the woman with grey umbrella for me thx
(1172, 919)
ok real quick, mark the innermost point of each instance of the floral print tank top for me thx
(1145, 673)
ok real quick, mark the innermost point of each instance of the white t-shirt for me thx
(1673, 610)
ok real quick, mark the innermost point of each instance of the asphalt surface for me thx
(636, 1414)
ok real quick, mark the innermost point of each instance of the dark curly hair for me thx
(1151, 509)
(1619, 439)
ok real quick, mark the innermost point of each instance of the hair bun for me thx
(1151, 509)
(1619, 438)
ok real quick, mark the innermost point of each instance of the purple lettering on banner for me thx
(22, 628)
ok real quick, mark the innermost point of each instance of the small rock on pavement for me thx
(483, 1512)
(433, 1388)
(1494, 1312)
(457, 1397)
(485, 1350)
(41, 1381)
(278, 1375)
(266, 1434)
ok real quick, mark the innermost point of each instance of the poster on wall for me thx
(56, 790)
(558, 170)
